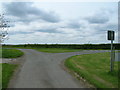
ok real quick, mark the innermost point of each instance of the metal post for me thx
(111, 37)
(113, 56)
(111, 63)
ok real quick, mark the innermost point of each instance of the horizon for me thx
(56, 43)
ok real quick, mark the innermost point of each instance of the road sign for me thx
(111, 35)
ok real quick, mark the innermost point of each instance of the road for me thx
(117, 56)
(44, 70)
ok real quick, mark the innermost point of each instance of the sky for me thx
(60, 22)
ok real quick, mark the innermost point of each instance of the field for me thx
(56, 50)
(6, 52)
(95, 69)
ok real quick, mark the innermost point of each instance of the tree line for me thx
(70, 46)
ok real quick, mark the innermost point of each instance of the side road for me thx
(43, 70)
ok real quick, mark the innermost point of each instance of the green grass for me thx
(95, 69)
(0, 76)
(8, 69)
(56, 50)
(117, 51)
(11, 53)
(50, 50)
(7, 72)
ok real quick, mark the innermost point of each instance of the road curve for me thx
(43, 70)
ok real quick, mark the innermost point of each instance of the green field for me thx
(50, 50)
(56, 50)
(95, 69)
(11, 53)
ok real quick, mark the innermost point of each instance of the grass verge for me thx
(95, 69)
(11, 53)
(7, 72)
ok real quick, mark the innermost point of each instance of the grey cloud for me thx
(74, 24)
(109, 26)
(101, 17)
(104, 28)
(26, 12)
(40, 30)
(97, 19)
(112, 27)
(49, 30)
(20, 32)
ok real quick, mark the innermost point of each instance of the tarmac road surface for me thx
(44, 70)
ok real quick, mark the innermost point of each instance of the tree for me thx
(3, 28)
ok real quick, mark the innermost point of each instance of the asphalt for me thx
(44, 70)
(117, 56)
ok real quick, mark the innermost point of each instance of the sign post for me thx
(111, 35)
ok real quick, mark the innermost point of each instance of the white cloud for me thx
(81, 30)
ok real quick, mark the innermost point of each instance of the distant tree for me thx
(3, 28)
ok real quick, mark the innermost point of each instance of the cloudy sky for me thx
(60, 22)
